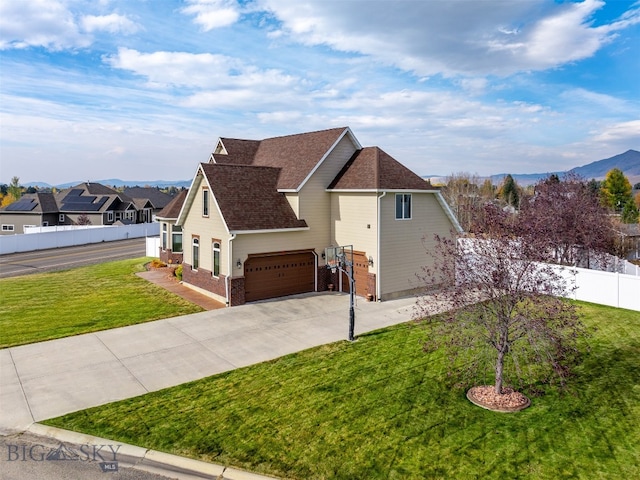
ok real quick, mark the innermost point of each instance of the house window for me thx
(205, 203)
(109, 216)
(176, 239)
(216, 259)
(61, 218)
(45, 224)
(403, 206)
(8, 228)
(164, 236)
(195, 262)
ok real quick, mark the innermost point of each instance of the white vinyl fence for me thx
(606, 288)
(56, 238)
(153, 247)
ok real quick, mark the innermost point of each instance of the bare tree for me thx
(566, 222)
(466, 196)
(506, 312)
(83, 219)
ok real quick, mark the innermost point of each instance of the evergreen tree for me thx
(630, 213)
(615, 190)
(509, 191)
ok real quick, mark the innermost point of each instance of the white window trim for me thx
(403, 209)
(8, 227)
(205, 202)
(195, 241)
(213, 258)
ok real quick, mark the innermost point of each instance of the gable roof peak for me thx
(371, 168)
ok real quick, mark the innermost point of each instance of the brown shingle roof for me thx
(172, 209)
(239, 152)
(157, 198)
(373, 169)
(248, 197)
(297, 155)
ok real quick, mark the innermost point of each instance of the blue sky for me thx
(142, 89)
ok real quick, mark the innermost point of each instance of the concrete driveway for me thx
(48, 379)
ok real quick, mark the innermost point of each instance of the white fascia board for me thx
(287, 190)
(189, 199)
(347, 131)
(273, 230)
(447, 210)
(380, 190)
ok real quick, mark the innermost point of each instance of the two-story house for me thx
(260, 214)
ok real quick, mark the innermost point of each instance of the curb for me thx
(139, 458)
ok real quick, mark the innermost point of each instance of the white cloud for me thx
(627, 133)
(453, 37)
(53, 25)
(39, 23)
(210, 14)
(112, 23)
(210, 79)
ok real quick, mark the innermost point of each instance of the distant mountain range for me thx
(116, 182)
(628, 162)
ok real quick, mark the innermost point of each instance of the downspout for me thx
(227, 287)
(316, 274)
(378, 250)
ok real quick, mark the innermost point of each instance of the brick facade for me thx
(237, 291)
(167, 256)
(202, 278)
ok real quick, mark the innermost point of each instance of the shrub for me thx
(178, 272)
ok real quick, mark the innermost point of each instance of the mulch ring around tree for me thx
(485, 396)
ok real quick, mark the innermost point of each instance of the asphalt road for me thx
(29, 457)
(15, 264)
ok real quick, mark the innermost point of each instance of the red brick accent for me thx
(167, 256)
(202, 278)
(371, 286)
(237, 291)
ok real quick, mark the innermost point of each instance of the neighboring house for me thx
(148, 200)
(630, 238)
(100, 204)
(170, 233)
(259, 215)
(30, 210)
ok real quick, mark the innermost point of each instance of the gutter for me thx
(227, 287)
(378, 249)
(315, 276)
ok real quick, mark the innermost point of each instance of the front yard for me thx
(82, 300)
(378, 408)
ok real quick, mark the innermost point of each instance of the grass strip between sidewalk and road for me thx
(380, 408)
(81, 300)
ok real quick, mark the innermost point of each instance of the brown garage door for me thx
(361, 264)
(270, 276)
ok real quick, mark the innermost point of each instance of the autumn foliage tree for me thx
(508, 317)
(566, 221)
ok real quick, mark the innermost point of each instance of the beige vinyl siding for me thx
(255, 243)
(294, 201)
(208, 228)
(315, 201)
(355, 222)
(402, 249)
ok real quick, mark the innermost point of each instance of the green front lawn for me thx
(378, 408)
(54, 305)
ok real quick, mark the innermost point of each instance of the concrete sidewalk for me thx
(48, 379)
